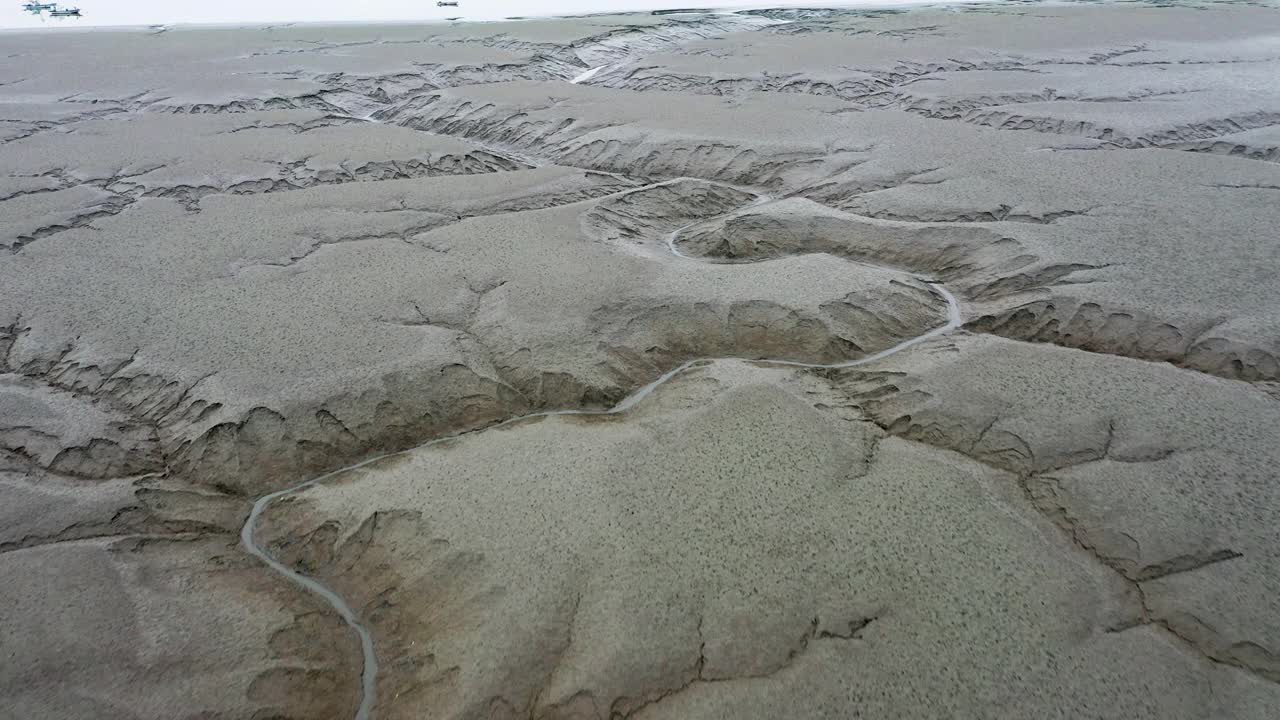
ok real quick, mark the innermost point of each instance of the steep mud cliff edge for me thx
(816, 363)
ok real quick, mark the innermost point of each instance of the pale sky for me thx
(155, 12)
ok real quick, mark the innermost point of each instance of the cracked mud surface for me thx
(792, 363)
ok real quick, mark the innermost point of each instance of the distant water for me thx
(167, 12)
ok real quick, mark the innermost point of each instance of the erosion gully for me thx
(369, 673)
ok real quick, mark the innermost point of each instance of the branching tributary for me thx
(370, 661)
(369, 674)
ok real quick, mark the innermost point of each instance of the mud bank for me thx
(644, 365)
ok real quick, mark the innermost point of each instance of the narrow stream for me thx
(369, 675)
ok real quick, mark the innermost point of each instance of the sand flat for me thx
(804, 363)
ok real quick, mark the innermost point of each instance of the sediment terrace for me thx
(645, 365)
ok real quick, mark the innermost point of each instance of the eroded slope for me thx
(1071, 247)
(1166, 476)
(233, 259)
(264, 357)
(741, 542)
(1147, 76)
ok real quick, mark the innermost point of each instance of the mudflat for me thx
(775, 363)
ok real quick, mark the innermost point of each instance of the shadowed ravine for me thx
(369, 675)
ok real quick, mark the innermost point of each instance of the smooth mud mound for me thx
(778, 363)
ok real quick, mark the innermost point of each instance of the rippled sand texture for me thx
(774, 364)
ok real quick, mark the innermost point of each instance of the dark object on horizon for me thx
(71, 12)
(447, 3)
(36, 8)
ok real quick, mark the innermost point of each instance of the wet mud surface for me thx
(818, 363)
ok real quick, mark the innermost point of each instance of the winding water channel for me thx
(369, 674)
